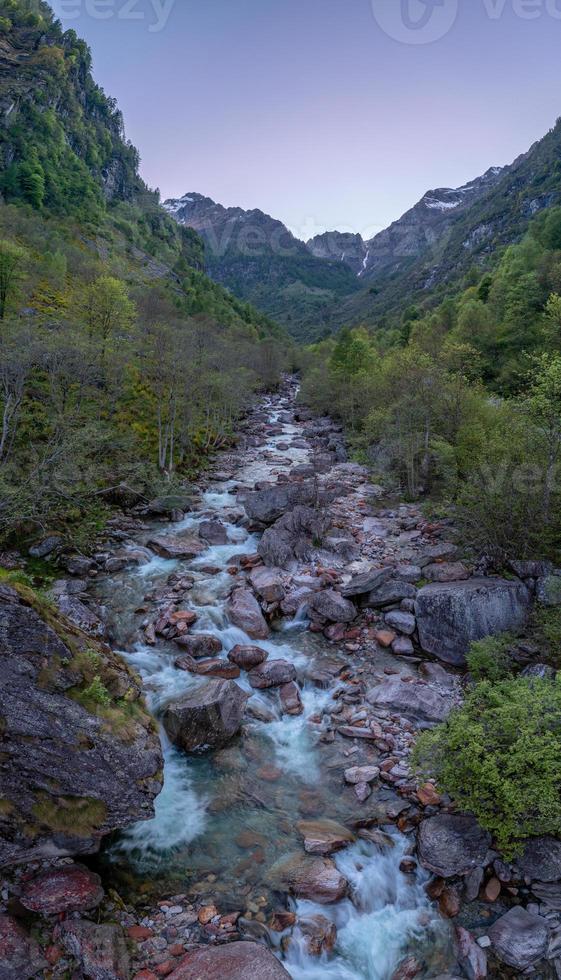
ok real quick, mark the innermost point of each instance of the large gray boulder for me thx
(368, 581)
(450, 616)
(245, 612)
(331, 605)
(266, 506)
(452, 844)
(519, 938)
(293, 536)
(420, 702)
(541, 859)
(234, 961)
(207, 717)
(308, 877)
(81, 755)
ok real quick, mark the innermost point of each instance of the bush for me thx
(498, 756)
(489, 659)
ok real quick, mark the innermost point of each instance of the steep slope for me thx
(338, 246)
(260, 261)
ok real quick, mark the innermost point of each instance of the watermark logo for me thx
(154, 14)
(415, 21)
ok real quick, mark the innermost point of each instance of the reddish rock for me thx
(335, 633)
(67, 889)
(100, 949)
(200, 645)
(244, 611)
(139, 933)
(428, 796)
(449, 902)
(492, 890)
(53, 954)
(145, 975)
(207, 913)
(324, 836)
(164, 969)
(234, 961)
(282, 920)
(269, 773)
(308, 877)
(215, 668)
(291, 702)
(20, 955)
(247, 657)
(320, 934)
(273, 673)
(186, 616)
(472, 958)
(408, 969)
(384, 637)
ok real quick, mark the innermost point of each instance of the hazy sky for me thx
(318, 111)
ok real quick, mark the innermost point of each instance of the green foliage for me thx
(489, 659)
(498, 756)
(96, 693)
(546, 632)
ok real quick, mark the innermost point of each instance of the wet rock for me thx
(451, 844)
(408, 969)
(418, 701)
(320, 934)
(213, 532)
(472, 958)
(324, 836)
(104, 775)
(244, 611)
(519, 939)
(79, 614)
(291, 702)
(247, 657)
(199, 645)
(332, 606)
(541, 859)
(403, 647)
(176, 546)
(272, 673)
(268, 584)
(314, 878)
(206, 718)
(389, 594)
(451, 616)
(100, 949)
(67, 889)
(446, 572)
(473, 884)
(362, 792)
(401, 621)
(234, 961)
(367, 581)
(385, 638)
(492, 890)
(215, 667)
(361, 774)
(20, 956)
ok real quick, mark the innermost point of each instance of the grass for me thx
(78, 816)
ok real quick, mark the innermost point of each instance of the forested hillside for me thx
(122, 362)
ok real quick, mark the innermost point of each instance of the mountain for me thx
(339, 246)
(261, 262)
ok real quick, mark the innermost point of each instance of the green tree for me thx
(12, 259)
(108, 310)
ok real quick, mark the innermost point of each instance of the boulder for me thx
(234, 961)
(472, 958)
(20, 955)
(446, 571)
(199, 644)
(243, 610)
(319, 934)
(367, 581)
(418, 701)
(332, 606)
(324, 836)
(266, 506)
(268, 583)
(548, 590)
(519, 938)
(361, 774)
(70, 775)
(46, 546)
(176, 546)
(451, 616)
(272, 673)
(79, 614)
(438, 552)
(390, 593)
(165, 506)
(215, 667)
(531, 569)
(303, 876)
(207, 717)
(101, 950)
(401, 621)
(247, 657)
(71, 888)
(452, 844)
(291, 702)
(213, 532)
(293, 536)
(541, 859)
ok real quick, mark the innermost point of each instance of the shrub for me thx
(498, 756)
(97, 693)
(489, 659)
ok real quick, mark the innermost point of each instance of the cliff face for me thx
(79, 754)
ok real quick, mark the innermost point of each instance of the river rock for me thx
(401, 621)
(213, 532)
(266, 506)
(293, 536)
(519, 938)
(104, 772)
(541, 859)
(319, 932)
(419, 701)
(403, 647)
(390, 593)
(244, 611)
(324, 836)
(20, 956)
(247, 657)
(100, 949)
(314, 878)
(291, 702)
(199, 644)
(452, 844)
(272, 673)
(361, 774)
(332, 606)
(268, 584)
(548, 590)
(79, 614)
(233, 961)
(215, 667)
(207, 717)
(71, 888)
(472, 958)
(446, 572)
(176, 546)
(46, 546)
(451, 616)
(367, 581)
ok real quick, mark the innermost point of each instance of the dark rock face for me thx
(101, 949)
(206, 718)
(450, 616)
(451, 844)
(71, 775)
(20, 955)
(519, 938)
(68, 889)
(80, 615)
(235, 961)
(213, 531)
(266, 506)
(292, 536)
(541, 859)
(387, 593)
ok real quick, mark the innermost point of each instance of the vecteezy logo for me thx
(415, 21)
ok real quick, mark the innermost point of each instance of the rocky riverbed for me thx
(292, 632)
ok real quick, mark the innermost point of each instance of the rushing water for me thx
(224, 818)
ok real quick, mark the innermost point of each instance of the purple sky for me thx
(310, 111)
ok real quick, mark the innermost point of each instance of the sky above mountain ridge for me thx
(322, 112)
